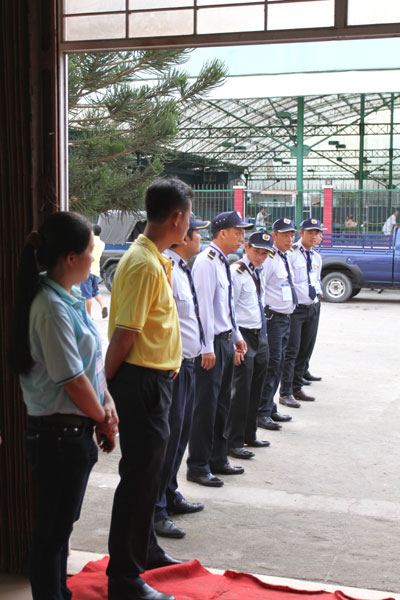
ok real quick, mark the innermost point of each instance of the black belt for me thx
(268, 312)
(255, 331)
(167, 374)
(65, 420)
(306, 306)
(188, 360)
(225, 335)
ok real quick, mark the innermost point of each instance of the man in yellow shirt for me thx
(143, 357)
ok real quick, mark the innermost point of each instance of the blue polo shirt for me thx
(64, 344)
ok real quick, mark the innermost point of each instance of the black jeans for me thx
(278, 335)
(61, 459)
(247, 385)
(142, 398)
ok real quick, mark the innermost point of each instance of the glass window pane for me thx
(100, 27)
(92, 6)
(216, 2)
(301, 15)
(365, 12)
(170, 22)
(220, 20)
(140, 4)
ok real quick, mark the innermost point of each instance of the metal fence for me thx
(353, 211)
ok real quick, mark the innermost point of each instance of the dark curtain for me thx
(28, 192)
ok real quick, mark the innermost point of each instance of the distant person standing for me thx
(391, 222)
(90, 287)
(260, 219)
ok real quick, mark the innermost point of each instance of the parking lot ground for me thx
(322, 503)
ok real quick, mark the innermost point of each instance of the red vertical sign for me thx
(328, 209)
(238, 200)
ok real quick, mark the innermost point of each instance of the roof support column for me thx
(361, 161)
(391, 152)
(299, 159)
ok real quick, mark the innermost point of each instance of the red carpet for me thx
(191, 581)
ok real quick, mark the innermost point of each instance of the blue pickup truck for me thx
(352, 261)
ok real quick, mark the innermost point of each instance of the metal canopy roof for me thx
(260, 135)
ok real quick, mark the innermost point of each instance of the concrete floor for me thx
(322, 503)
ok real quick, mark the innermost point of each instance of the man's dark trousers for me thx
(307, 363)
(278, 326)
(142, 398)
(207, 442)
(247, 385)
(180, 423)
(303, 331)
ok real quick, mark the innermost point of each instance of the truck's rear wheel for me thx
(108, 276)
(336, 287)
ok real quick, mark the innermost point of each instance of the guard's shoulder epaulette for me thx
(316, 251)
(294, 247)
(212, 254)
(271, 252)
(241, 269)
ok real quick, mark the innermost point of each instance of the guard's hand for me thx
(239, 358)
(241, 347)
(208, 361)
(105, 439)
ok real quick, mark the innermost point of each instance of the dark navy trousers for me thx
(278, 336)
(180, 423)
(207, 442)
(303, 332)
(247, 386)
(142, 398)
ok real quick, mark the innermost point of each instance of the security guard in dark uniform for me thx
(214, 368)
(251, 369)
(306, 264)
(280, 301)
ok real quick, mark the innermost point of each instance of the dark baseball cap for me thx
(196, 223)
(229, 219)
(282, 225)
(261, 240)
(308, 224)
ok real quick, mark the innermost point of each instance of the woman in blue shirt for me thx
(56, 351)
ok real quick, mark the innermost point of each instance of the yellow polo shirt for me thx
(142, 300)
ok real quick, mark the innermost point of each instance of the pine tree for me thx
(123, 116)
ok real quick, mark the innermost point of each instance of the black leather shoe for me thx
(228, 469)
(307, 375)
(268, 423)
(279, 418)
(240, 453)
(165, 560)
(258, 444)
(289, 401)
(300, 395)
(305, 382)
(167, 528)
(184, 507)
(134, 588)
(207, 479)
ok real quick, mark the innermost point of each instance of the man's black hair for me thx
(164, 196)
(96, 229)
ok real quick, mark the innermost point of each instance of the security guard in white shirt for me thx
(250, 370)
(170, 500)
(280, 300)
(306, 264)
(214, 368)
